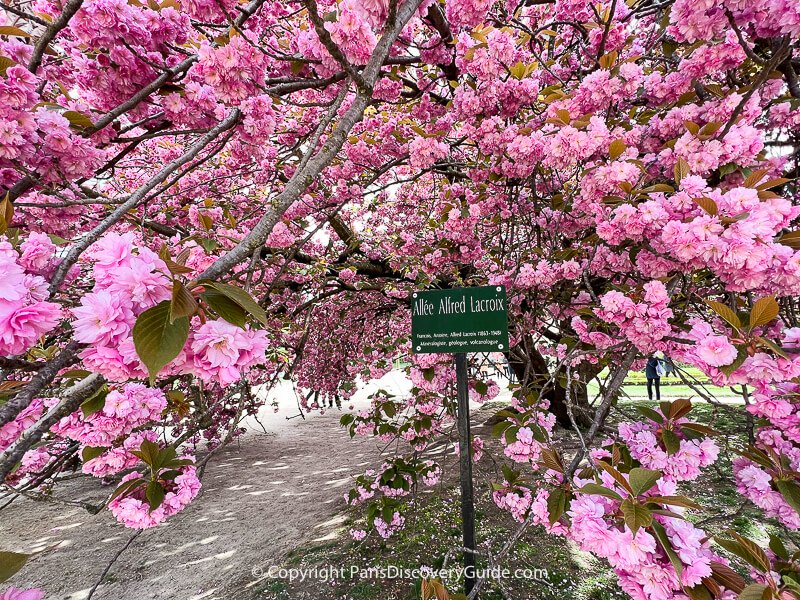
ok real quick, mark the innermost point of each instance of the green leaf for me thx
(551, 460)
(727, 314)
(155, 495)
(75, 374)
(225, 307)
(5, 63)
(776, 545)
(15, 31)
(763, 311)
(708, 205)
(183, 303)
(758, 457)
(208, 244)
(790, 238)
(170, 475)
(599, 490)
(6, 213)
(663, 511)
(511, 434)
(10, 563)
(509, 474)
(388, 513)
(616, 148)
(740, 358)
(148, 452)
(240, 297)
(790, 492)
(499, 428)
(538, 432)
(157, 340)
(616, 475)
(727, 577)
(681, 170)
(679, 408)
(671, 441)
(127, 487)
(663, 539)
(755, 591)
(745, 549)
(675, 501)
(90, 452)
(700, 429)
(165, 456)
(95, 403)
(177, 463)
(665, 407)
(556, 504)
(78, 120)
(650, 414)
(635, 515)
(642, 480)
(698, 592)
(772, 346)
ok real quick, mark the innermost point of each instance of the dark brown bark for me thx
(535, 374)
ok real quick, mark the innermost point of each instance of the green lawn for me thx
(672, 386)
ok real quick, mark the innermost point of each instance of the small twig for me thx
(113, 560)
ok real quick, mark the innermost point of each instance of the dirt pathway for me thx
(269, 493)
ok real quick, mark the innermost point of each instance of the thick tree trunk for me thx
(534, 373)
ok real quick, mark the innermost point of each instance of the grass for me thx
(672, 387)
(429, 539)
(432, 534)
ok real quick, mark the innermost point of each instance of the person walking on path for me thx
(653, 372)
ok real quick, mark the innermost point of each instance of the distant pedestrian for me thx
(669, 366)
(653, 371)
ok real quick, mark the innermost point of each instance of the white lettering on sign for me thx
(447, 306)
(423, 308)
(486, 305)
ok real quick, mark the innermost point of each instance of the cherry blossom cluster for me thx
(125, 409)
(129, 279)
(25, 419)
(644, 323)
(25, 312)
(133, 510)
(682, 464)
(14, 593)
(759, 472)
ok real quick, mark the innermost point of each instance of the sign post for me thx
(459, 321)
(465, 468)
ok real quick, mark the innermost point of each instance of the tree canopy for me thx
(199, 196)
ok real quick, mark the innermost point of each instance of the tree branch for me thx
(304, 177)
(73, 398)
(43, 378)
(89, 238)
(53, 29)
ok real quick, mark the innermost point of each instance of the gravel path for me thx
(261, 497)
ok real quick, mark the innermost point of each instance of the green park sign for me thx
(457, 322)
(460, 320)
